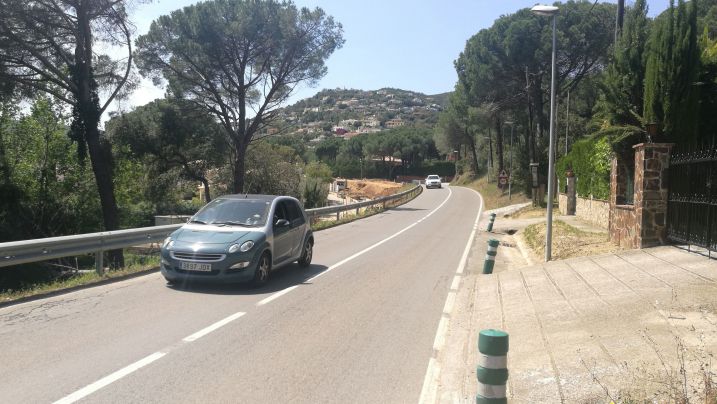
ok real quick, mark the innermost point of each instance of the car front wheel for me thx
(306, 254)
(261, 275)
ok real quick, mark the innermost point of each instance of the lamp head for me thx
(541, 9)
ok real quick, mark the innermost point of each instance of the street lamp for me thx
(550, 11)
(510, 174)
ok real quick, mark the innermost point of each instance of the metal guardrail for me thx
(25, 251)
(405, 195)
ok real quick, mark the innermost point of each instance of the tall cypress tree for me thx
(671, 94)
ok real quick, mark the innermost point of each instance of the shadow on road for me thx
(280, 279)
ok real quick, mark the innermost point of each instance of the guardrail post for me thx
(357, 211)
(490, 256)
(99, 265)
(492, 370)
(492, 220)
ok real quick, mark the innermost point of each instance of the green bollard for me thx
(492, 220)
(492, 370)
(490, 256)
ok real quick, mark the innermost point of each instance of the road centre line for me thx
(109, 379)
(276, 295)
(213, 327)
(430, 381)
(129, 369)
(364, 251)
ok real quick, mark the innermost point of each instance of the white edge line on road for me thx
(440, 340)
(430, 381)
(364, 251)
(84, 392)
(213, 327)
(450, 301)
(456, 282)
(430, 388)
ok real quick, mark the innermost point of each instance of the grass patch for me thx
(568, 241)
(71, 279)
(493, 197)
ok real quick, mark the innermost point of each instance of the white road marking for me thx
(450, 301)
(430, 381)
(362, 252)
(86, 391)
(107, 380)
(456, 282)
(277, 295)
(213, 327)
(440, 339)
(430, 388)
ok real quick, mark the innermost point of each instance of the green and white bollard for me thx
(492, 371)
(490, 256)
(492, 220)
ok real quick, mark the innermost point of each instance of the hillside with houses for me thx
(347, 113)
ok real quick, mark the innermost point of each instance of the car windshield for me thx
(432, 177)
(237, 212)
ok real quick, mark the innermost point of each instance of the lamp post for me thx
(550, 11)
(510, 174)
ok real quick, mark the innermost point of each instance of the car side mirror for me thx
(281, 223)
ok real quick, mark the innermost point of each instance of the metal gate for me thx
(692, 202)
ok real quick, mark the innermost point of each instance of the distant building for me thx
(394, 123)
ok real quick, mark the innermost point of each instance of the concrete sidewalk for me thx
(588, 329)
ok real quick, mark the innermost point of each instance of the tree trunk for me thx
(207, 196)
(619, 19)
(490, 151)
(239, 155)
(88, 109)
(474, 161)
(539, 106)
(499, 142)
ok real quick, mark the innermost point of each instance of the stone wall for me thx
(593, 211)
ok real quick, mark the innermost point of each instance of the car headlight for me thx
(244, 247)
(168, 242)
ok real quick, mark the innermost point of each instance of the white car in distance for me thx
(433, 181)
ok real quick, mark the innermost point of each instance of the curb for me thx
(60, 292)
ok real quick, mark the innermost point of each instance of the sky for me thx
(403, 44)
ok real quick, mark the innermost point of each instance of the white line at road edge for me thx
(86, 391)
(364, 251)
(433, 372)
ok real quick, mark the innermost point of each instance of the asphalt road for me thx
(357, 326)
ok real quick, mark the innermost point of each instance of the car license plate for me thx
(193, 266)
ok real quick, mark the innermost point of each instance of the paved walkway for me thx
(587, 329)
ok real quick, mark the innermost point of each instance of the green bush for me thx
(590, 161)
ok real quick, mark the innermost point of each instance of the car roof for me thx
(255, 197)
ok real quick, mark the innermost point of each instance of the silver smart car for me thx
(238, 238)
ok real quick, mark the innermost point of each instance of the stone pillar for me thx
(652, 161)
(572, 196)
